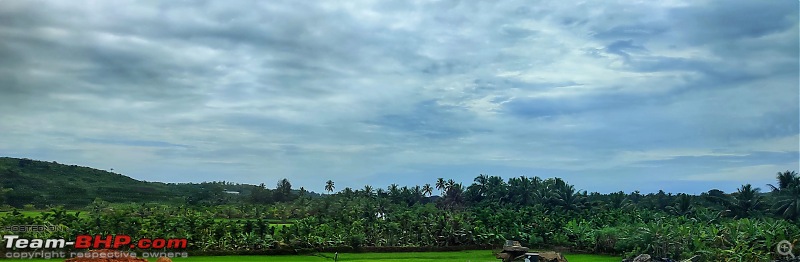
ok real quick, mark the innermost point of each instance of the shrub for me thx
(606, 240)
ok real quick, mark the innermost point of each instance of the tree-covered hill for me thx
(50, 183)
(42, 184)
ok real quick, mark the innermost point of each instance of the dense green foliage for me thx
(41, 183)
(44, 184)
(543, 213)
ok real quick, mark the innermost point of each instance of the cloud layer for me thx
(684, 96)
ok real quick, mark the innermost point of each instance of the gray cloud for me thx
(360, 91)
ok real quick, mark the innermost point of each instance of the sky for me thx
(683, 96)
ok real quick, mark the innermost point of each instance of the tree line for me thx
(744, 225)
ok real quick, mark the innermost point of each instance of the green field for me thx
(461, 256)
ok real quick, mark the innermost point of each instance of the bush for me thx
(356, 241)
(606, 240)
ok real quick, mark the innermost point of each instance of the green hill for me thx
(50, 183)
(26, 181)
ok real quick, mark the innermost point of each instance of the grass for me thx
(460, 256)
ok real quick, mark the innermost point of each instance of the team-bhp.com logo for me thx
(95, 242)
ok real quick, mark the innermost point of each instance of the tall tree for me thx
(394, 192)
(450, 183)
(786, 180)
(520, 190)
(480, 184)
(303, 191)
(566, 196)
(417, 194)
(283, 191)
(440, 185)
(682, 207)
(368, 191)
(380, 193)
(427, 189)
(787, 195)
(260, 195)
(746, 202)
(454, 197)
(348, 192)
(495, 188)
(329, 186)
(617, 200)
(714, 197)
(788, 203)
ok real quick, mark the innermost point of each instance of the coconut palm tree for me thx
(417, 194)
(519, 190)
(788, 203)
(787, 194)
(495, 188)
(785, 180)
(440, 185)
(368, 191)
(450, 183)
(683, 206)
(427, 189)
(566, 196)
(454, 195)
(618, 200)
(480, 182)
(347, 192)
(380, 192)
(329, 186)
(394, 192)
(746, 202)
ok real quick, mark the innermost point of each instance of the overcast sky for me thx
(683, 96)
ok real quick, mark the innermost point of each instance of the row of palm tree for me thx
(747, 201)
